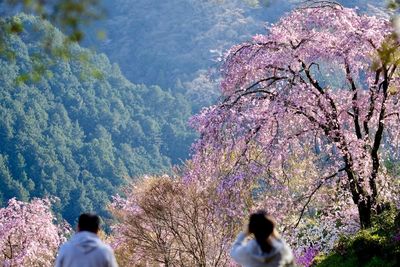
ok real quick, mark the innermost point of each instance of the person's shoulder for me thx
(65, 249)
(285, 251)
(105, 247)
(65, 246)
(252, 248)
(108, 254)
(252, 245)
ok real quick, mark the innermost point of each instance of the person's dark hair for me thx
(262, 226)
(89, 222)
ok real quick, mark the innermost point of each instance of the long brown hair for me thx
(262, 226)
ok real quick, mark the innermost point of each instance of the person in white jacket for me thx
(265, 248)
(85, 249)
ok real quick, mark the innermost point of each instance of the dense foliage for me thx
(377, 246)
(74, 127)
(69, 15)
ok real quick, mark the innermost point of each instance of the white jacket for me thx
(249, 253)
(85, 249)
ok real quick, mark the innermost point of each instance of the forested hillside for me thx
(177, 44)
(75, 127)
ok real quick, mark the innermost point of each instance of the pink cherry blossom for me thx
(28, 234)
(309, 117)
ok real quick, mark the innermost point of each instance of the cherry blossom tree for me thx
(28, 235)
(167, 221)
(321, 86)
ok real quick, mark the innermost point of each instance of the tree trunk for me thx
(359, 195)
(365, 212)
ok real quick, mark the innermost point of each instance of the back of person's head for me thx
(89, 222)
(262, 226)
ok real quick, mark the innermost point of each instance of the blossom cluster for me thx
(28, 233)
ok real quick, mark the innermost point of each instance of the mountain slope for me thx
(74, 127)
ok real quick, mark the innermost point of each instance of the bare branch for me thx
(392, 114)
(372, 99)
(309, 197)
(319, 4)
(354, 100)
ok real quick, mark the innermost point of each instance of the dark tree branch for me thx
(258, 91)
(306, 4)
(309, 197)
(372, 98)
(393, 113)
(378, 138)
(299, 110)
(354, 100)
(313, 82)
(272, 80)
(393, 70)
(296, 46)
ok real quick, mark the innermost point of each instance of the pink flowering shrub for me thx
(307, 256)
(28, 235)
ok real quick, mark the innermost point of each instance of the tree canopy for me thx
(69, 15)
(29, 235)
(310, 116)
